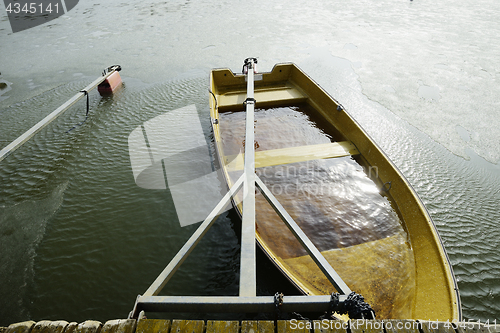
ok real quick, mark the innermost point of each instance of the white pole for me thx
(247, 268)
(48, 119)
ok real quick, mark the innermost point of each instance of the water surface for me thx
(79, 240)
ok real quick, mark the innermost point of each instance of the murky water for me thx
(79, 239)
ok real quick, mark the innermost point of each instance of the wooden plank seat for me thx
(289, 155)
(263, 97)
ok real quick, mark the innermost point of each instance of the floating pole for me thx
(48, 119)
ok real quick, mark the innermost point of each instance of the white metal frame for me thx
(247, 301)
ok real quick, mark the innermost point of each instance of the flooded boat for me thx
(340, 188)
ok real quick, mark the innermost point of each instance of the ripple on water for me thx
(22, 227)
(109, 238)
(463, 201)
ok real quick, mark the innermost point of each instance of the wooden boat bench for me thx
(264, 97)
(289, 155)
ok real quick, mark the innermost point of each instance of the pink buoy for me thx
(109, 85)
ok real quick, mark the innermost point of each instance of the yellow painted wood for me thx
(153, 326)
(330, 326)
(88, 326)
(250, 326)
(119, 326)
(218, 326)
(188, 326)
(289, 155)
(262, 326)
(280, 94)
(46, 326)
(23, 327)
(266, 326)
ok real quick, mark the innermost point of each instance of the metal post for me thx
(247, 268)
(48, 119)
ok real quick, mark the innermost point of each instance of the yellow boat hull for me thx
(401, 269)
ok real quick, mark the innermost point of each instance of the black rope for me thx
(106, 71)
(334, 304)
(88, 103)
(247, 63)
(215, 98)
(110, 68)
(356, 307)
(300, 317)
(249, 100)
(215, 121)
(278, 302)
(86, 113)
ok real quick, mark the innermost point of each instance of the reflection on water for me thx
(335, 203)
(332, 200)
(108, 239)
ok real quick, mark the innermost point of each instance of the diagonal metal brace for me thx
(318, 258)
(179, 258)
